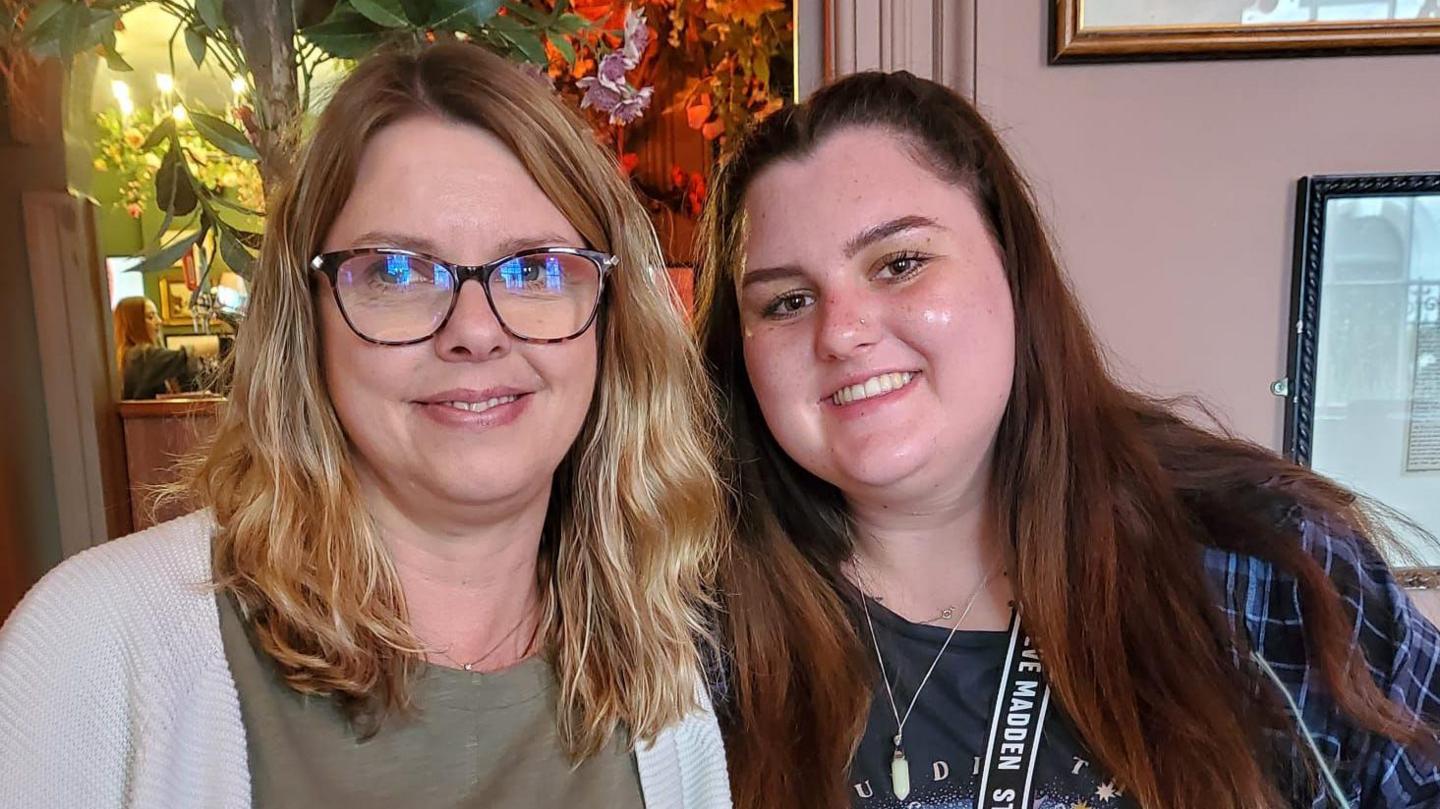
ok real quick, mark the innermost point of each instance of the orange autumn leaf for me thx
(699, 110)
(712, 130)
(770, 107)
(595, 10)
(584, 65)
(750, 11)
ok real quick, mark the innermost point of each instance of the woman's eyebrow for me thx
(515, 244)
(885, 230)
(760, 276)
(402, 241)
(420, 244)
(858, 242)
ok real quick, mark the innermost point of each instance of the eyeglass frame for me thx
(328, 264)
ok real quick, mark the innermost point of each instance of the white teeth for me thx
(481, 407)
(874, 386)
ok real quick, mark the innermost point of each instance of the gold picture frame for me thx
(175, 299)
(1145, 30)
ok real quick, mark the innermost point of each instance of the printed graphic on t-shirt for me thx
(947, 730)
(938, 782)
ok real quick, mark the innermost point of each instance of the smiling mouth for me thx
(877, 385)
(479, 407)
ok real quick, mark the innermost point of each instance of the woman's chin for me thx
(878, 472)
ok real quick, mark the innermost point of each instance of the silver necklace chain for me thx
(915, 698)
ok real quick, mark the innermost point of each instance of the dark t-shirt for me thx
(148, 368)
(945, 735)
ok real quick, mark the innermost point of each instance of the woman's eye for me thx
(903, 265)
(787, 304)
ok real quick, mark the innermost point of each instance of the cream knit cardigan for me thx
(115, 691)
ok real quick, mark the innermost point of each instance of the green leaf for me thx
(386, 13)
(116, 62)
(234, 253)
(526, 13)
(75, 32)
(246, 222)
(45, 26)
(211, 14)
(567, 51)
(529, 45)
(418, 12)
(237, 207)
(166, 258)
(345, 34)
(459, 14)
(222, 134)
(174, 189)
(570, 24)
(112, 56)
(195, 43)
(102, 25)
(153, 243)
(162, 130)
(42, 15)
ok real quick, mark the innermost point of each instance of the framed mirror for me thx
(1136, 30)
(1363, 383)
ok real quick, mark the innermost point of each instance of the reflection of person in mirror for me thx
(147, 367)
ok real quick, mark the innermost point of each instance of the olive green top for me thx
(475, 740)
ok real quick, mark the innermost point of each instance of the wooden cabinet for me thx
(159, 435)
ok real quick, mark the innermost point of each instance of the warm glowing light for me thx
(165, 82)
(237, 84)
(120, 89)
(179, 114)
(127, 107)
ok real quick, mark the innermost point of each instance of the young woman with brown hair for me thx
(926, 443)
(146, 367)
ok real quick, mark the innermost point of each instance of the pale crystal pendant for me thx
(900, 772)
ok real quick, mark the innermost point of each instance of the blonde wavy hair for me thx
(635, 516)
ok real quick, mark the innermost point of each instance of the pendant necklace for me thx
(899, 765)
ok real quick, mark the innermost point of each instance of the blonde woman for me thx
(457, 534)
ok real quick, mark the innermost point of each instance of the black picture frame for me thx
(1312, 197)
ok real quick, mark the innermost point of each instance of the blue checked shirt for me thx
(1401, 648)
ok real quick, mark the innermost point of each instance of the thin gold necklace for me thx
(899, 765)
(470, 666)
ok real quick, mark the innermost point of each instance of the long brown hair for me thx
(633, 525)
(1106, 497)
(130, 328)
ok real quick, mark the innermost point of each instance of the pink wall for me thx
(1170, 189)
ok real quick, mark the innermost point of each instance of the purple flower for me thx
(598, 95)
(623, 104)
(612, 70)
(637, 37)
(608, 90)
(632, 107)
